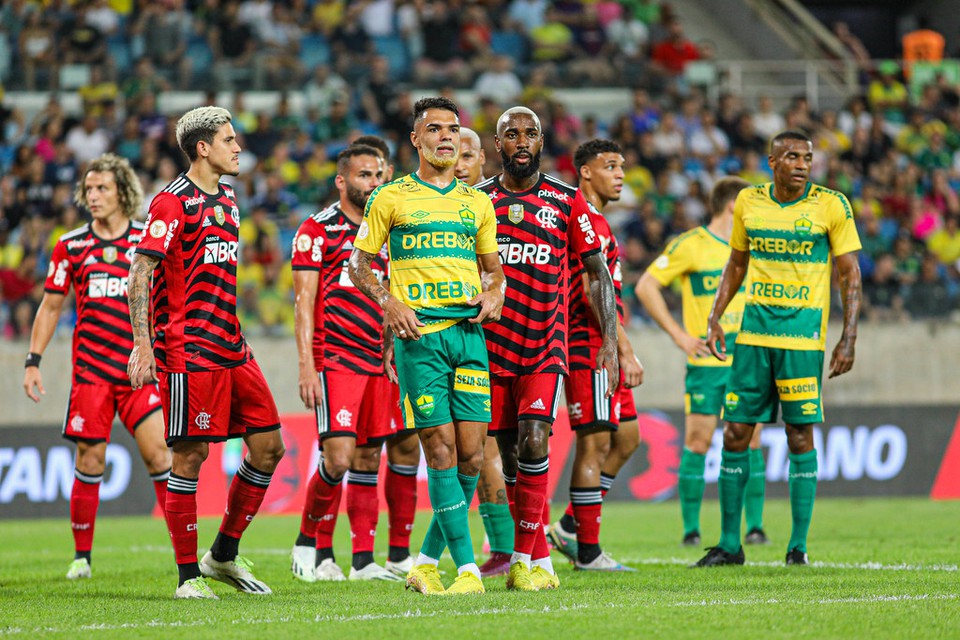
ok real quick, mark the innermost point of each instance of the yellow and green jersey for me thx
(433, 236)
(790, 245)
(697, 258)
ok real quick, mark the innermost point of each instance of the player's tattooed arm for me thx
(397, 317)
(730, 281)
(142, 367)
(603, 299)
(851, 291)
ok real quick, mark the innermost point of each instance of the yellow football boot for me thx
(425, 578)
(466, 583)
(520, 577)
(543, 579)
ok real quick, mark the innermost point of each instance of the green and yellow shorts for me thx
(444, 377)
(762, 379)
(704, 388)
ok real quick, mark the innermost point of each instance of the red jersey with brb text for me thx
(347, 324)
(194, 234)
(536, 230)
(97, 269)
(585, 336)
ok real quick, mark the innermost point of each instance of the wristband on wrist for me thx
(33, 360)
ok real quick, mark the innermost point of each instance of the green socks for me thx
(498, 524)
(734, 471)
(447, 514)
(690, 485)
(756, 490)
(803, 489)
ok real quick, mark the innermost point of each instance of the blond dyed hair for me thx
(200, 124)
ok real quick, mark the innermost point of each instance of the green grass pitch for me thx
(882, 568)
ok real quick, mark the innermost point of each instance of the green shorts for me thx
(763, 379)
(703, 389)
(444, 376)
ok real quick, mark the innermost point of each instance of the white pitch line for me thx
(863, 566)
(823, 601)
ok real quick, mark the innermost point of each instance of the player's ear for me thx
(413, 139)
(339, 181)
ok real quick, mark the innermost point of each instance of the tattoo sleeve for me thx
(603, 297)
(851, 291)
(363, 277)
(138, 294)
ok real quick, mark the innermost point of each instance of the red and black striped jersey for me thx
(347, 326)
(585, 336)
(536, 230)
(97, 269)
(194, 234)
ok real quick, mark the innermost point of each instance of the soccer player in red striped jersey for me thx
(211, 387)
(540, 221)
(491, 489)
(94, 260)
(606, 426)
(342, 379)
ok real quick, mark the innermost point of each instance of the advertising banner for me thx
(862, 451)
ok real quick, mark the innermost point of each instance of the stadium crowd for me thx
(895, 155)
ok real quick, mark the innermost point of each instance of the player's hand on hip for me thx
(310, 389)
(693, 347)
(142, 366)
(32, 379)
(842, 359)
(716, 340)
(491, 305)
(401, 320)
(632, 372)
(608, 361)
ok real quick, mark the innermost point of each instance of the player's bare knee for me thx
(157, 460)
(736, 436)
(469, 464)
(799, 438)
(533, 440)
(91, 458)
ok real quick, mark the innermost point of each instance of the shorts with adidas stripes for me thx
(531, 397)
(356, 405)
(92, 407)
(212, 406)
(588, 405)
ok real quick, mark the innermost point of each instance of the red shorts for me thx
(211, 406)
(92, 407)
(531, 397)
(588, 405)
(353, 404)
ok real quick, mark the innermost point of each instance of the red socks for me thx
(84, 501)
(401, 494)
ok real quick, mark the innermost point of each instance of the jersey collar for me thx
(443, 191)
(806, 192)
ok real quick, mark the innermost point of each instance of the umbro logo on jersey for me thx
(538, 404)
(419, 215)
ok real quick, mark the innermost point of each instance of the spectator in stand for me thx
(668, 139)
(324, 86)
(442, 62)
(854, 116)
(499, 82)
(378, 93)
(929, 295)
(336, 127)
(233, 46)
(551, 41)
(671, 55)
(708, 138)
(883, 292)
(350, 45)
(37, 50)
(277, 59)
(164, 28)
(767, 121)
(144, 81)
(945, 243)
(526, 15)
(81, 42)
(476, 34)
(88, 140)
(888, 95)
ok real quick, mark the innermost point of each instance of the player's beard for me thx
(520, 171)
(357, 197)
(438, 162)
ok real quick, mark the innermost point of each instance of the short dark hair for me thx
(790, 134)
(436, 102)
(352, 151)
(591, 149)
(377, 143)
(724, 191)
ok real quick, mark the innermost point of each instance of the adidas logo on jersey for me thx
(206, 222)
(538, 404)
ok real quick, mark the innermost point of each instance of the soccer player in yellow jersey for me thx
(437, 230)
(697, 258)
(788, 232)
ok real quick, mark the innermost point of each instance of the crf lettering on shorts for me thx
(104, 286)
(782, 245)
(471, 381)
(443, 290)
(796, 389)
(217, 252)
(515, 253)
(529, 526)
(780, 290)
(438, 240)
